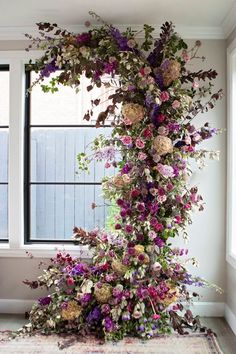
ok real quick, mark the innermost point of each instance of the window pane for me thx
(54, 151)
(56, 209)
(4, 98)
(66, 107)
(3, 212)
(3, 155)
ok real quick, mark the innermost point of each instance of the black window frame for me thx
(27, 158)
(5, 67)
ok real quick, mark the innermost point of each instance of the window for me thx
(38, 164)
(4, 128)
(57, 195)
(231, 152)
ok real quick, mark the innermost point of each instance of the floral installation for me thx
(136, 283)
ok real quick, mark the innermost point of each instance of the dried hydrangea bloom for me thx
(118, 267)
(163, 145)
(103, 293)
(133, 112)
(171, 72)
(72, 311)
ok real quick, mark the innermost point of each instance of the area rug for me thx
(173, 344)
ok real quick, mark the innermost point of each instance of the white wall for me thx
(230, 270)
(207, 233)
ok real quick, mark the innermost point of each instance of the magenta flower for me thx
(129, 229)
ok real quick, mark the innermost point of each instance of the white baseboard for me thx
(203, 309)
(208, 309)
(15, 306)
(230, 318)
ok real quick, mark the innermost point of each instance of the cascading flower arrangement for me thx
(136, 284)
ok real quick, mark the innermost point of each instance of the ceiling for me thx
(215, 17)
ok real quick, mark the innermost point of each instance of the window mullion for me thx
(16, 176)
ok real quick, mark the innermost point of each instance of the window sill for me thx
(231, 259)
(44, 251)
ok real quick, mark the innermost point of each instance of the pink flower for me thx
(139, 143)
(178, 219)
(164, 96)
(188, 140)
(193, 198)
(185, 56)
(126, 140)
(107, 165)
(165, 170)
(187, 206)
(152, 234)
(158, 227)
(195, 84)
(156, 316)
(176, 104)
(142, 156)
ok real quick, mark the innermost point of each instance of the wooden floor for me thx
(225, 335)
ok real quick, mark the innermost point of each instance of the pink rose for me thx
(176, 104)
(164, 96)
(139, 143)
(142, 156)
(126, 140)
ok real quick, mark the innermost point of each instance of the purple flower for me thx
(110, 68)
(109, 324)
(79, 269)
(86, 298)
(126, 168)
(120, 39)
(94, 316)
(159, 242)
(44, 301)
(141, 328)
(48, 69)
